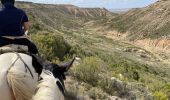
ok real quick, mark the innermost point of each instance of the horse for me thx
(19, 79)
(47, 88)
(52, 87)
(17, 82)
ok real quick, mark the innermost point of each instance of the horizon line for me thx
(77, 5)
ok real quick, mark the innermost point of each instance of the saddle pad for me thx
(13, 48)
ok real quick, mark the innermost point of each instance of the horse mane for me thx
(47, 88)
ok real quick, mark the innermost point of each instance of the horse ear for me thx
(66, 66)
(59, 70)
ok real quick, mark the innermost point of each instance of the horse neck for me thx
(47, 89)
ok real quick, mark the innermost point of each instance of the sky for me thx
(109, 4)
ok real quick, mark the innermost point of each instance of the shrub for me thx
(160, 96)
(89, 70)
(51, 46)
(106, 84)
(97, 94)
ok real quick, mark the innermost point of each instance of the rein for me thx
(26, 66)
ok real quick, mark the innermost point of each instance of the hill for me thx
(61, 16)
(152, 21)
(147, 27)
(119, 11)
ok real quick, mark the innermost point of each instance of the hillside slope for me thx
(149, 22)
(61, 16)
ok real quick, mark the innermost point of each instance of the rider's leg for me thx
(4, 41)
(31, 46)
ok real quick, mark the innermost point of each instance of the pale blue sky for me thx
(109, 4)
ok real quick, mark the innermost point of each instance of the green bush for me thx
(160, 96)
(51, 46)
(97, 94)
(89, 70)
(93, 71)
(106, 84)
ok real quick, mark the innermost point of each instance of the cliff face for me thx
(85, 12)
(67, 9)
(158, 45)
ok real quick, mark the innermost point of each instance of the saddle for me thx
(22, 49)
(38, 62)
(13, 48)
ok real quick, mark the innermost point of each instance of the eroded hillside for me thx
(61, 16)
(148, 22)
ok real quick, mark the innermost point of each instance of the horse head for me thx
(59, 70)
